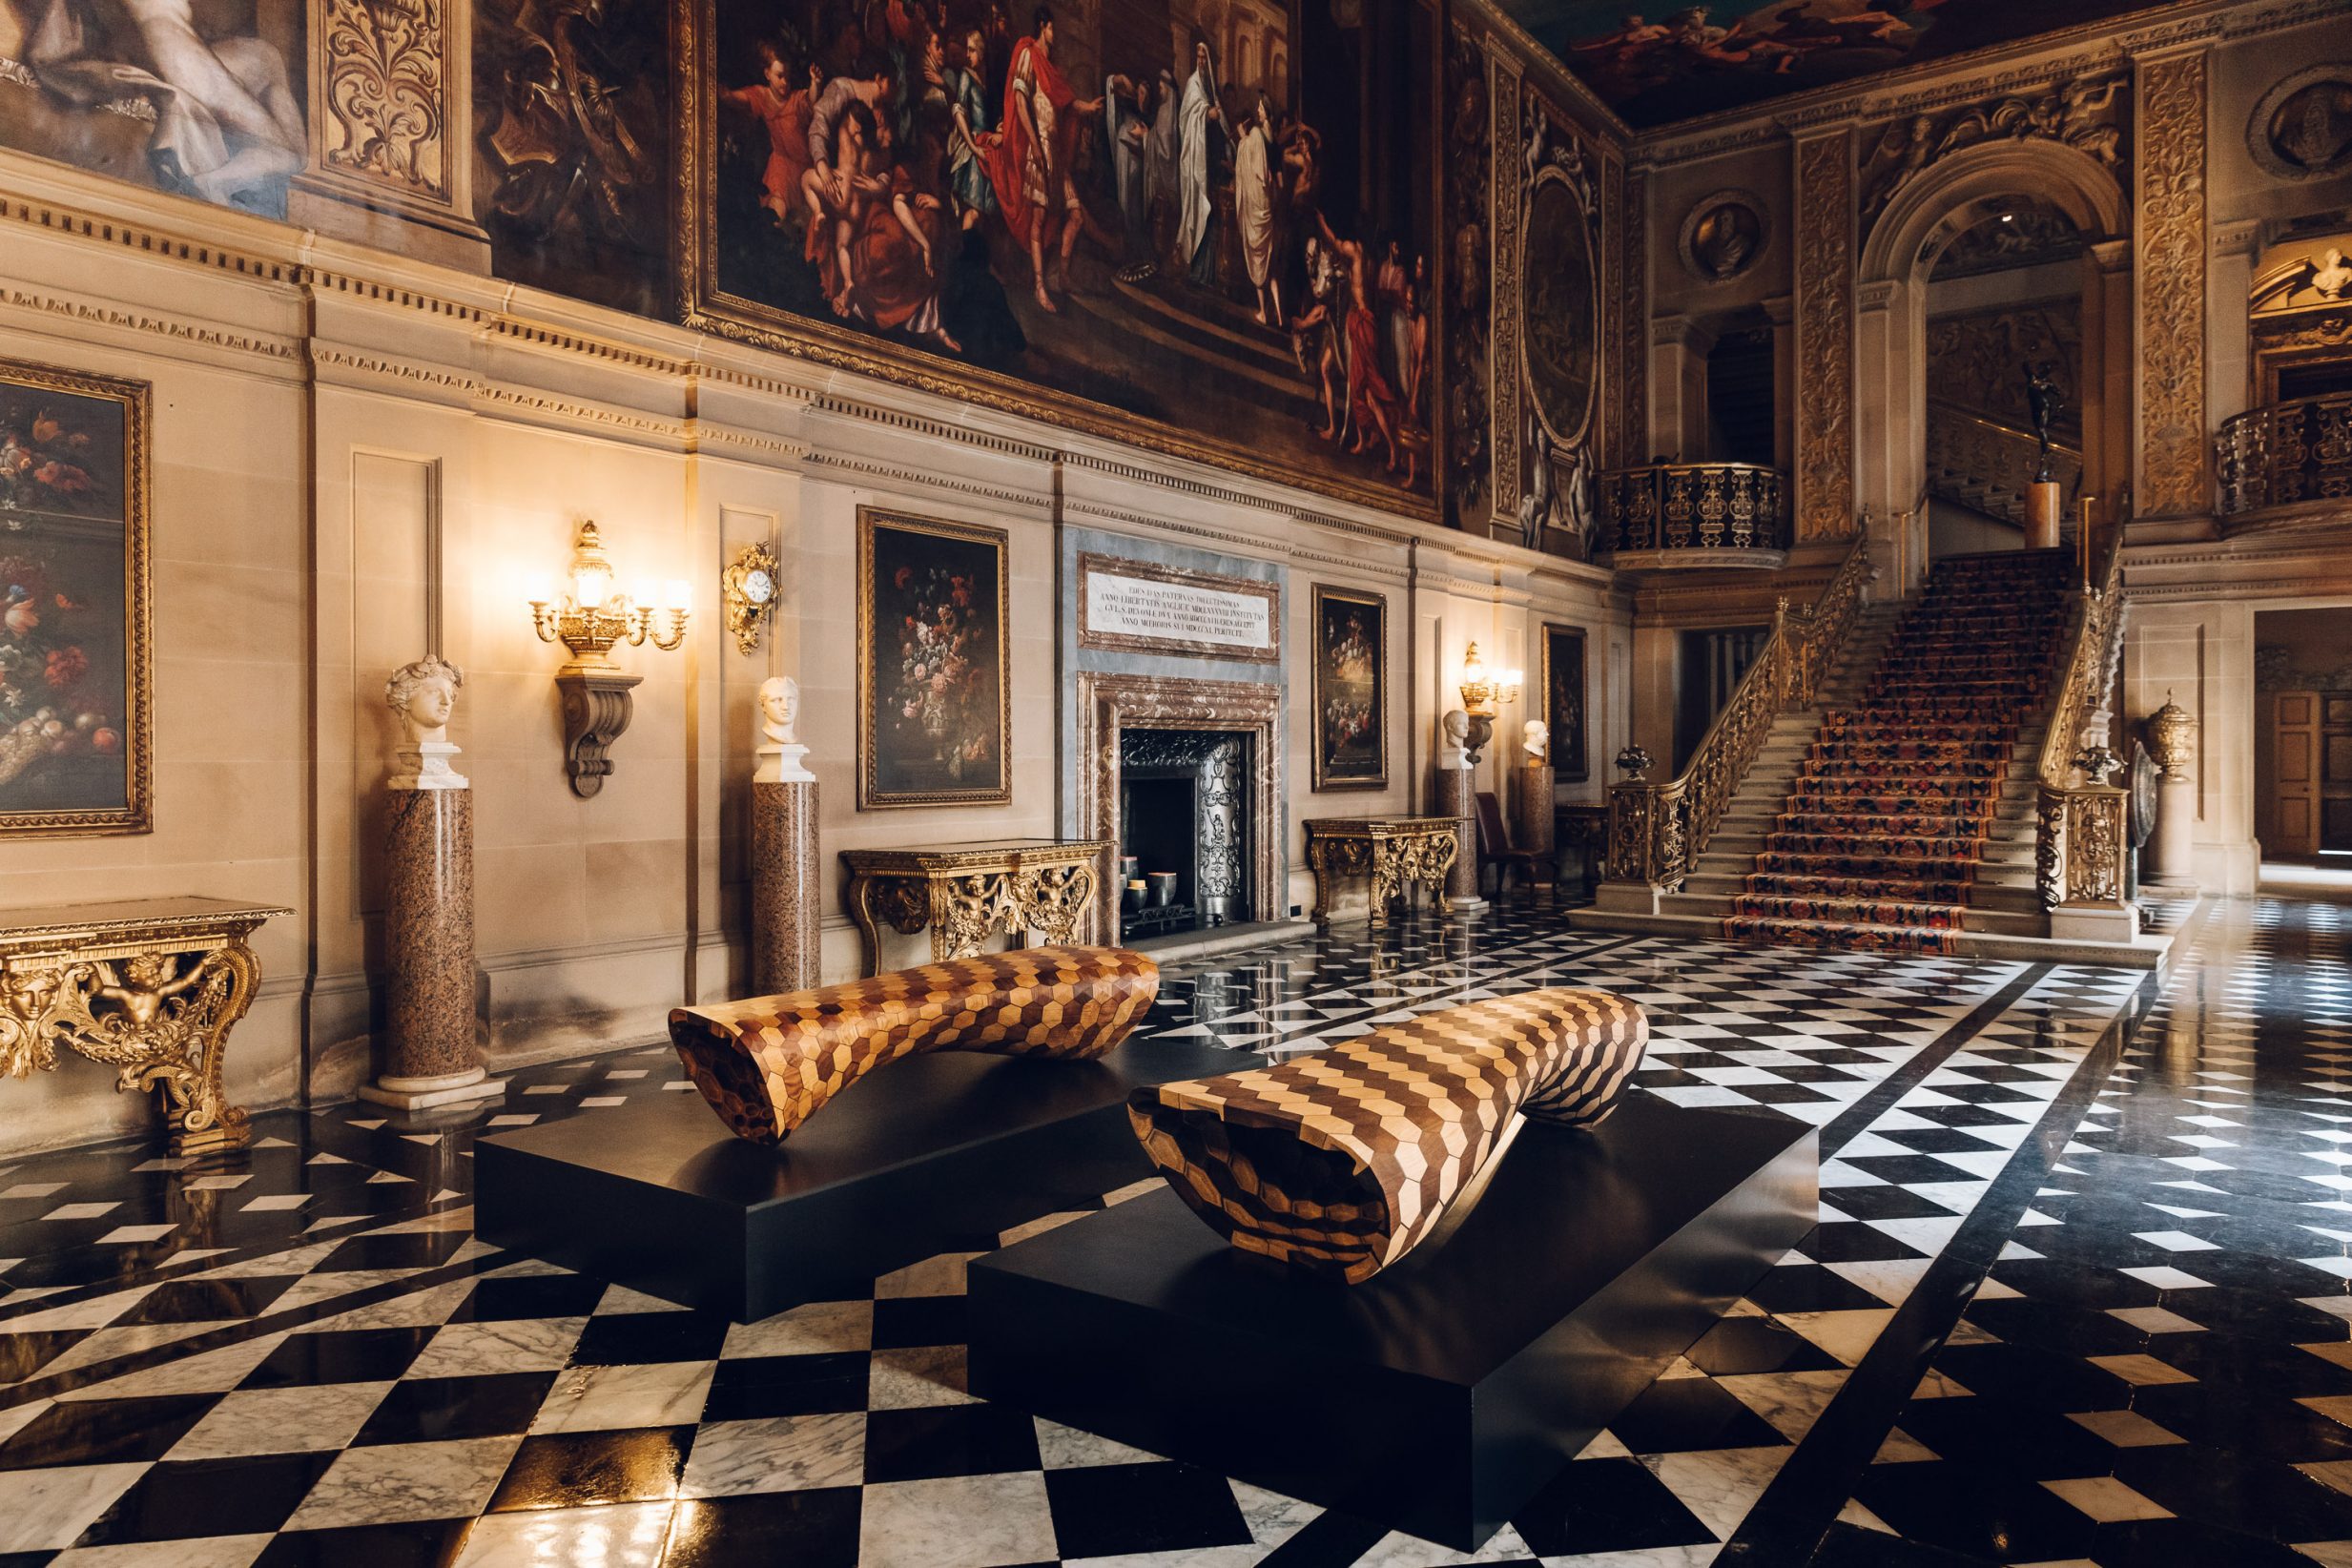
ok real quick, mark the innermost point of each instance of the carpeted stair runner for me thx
(1879, 841)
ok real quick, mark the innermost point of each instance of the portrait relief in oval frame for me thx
(1723, 235)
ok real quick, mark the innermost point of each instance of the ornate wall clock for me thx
(748, 588)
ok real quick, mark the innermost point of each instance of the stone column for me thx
(785, 896)
(2172, 853)
(1530, 815)
(429, 1057)
(1456, 796)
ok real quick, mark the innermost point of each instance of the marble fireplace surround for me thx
(1109, 704)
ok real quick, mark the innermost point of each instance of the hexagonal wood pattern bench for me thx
(1343, 1160)
(768, 1064)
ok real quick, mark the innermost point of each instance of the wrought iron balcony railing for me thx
(2283, 454)
(1707, 510)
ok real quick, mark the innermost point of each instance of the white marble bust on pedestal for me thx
(1537, 741)
(1455, 752)
(779, 751)
(424, 695)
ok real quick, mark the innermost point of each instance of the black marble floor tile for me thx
(435, 1409)
(340, 1356)
(175, 1500)
(638, 1338)
(1607, 1505)
(754, 1387)
(912, 1445)
(90, 1432)
(585, 1469)
(434, 1544)
(1101, 1511)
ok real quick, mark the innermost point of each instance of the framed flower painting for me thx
(73, 603)
(1351, 689)
(934, 708)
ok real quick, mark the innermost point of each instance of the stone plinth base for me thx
(415, 1094)
(428, 939)
(785, 896)
(1455, 798)
(1439, 1396)
(2092, 924)
(2044, 508)
(1530, 815)
(2172, 852)
(1627, 898)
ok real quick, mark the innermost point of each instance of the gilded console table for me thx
(963, 893)
(1394, 853)
(149, 987)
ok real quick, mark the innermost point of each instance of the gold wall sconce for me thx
(589, 620)
(1481, 693)
(747, 595)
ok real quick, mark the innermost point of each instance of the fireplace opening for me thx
(1184, 830)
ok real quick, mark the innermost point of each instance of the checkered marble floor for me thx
(301, 1355)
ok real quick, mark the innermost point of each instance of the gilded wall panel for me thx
(1825, 338)
(2173, 455)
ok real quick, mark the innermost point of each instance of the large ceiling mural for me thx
(1657, 67)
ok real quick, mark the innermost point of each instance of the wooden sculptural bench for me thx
(768, 1064)
(1341, 1162)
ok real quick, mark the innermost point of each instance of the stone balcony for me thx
(1694, 516)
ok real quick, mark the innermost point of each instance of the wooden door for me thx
(2336, 772)
(2295, 727)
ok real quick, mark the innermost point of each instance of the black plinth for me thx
(932, 1154)
(1439, 1396)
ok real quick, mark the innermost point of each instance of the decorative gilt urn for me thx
(2171, 738)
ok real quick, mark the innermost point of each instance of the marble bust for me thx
(1455, 752)
(779, 751)
(1537, 740)
(424, 695)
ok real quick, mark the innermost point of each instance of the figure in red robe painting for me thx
(785, 111)
(1029, 166)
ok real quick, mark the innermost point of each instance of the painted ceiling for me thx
(1657, 67)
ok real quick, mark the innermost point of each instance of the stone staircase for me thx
(1864, 821)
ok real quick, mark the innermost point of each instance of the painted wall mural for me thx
(201, 99)
(1204, 227)
(1699, 59)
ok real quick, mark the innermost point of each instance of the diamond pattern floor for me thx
(2078, 1292)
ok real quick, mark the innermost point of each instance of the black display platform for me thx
(1439, 1396)
(932, 1154)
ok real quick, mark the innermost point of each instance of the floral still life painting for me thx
(932, 678)
(73, 603)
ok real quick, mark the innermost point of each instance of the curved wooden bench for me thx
(768, 1064)
(1340, 1161)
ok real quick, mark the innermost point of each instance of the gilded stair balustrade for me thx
(2080, 817)
(1657, 831)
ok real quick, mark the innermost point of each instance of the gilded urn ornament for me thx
(2171, 738)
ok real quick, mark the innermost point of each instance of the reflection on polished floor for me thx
(2078, 1293)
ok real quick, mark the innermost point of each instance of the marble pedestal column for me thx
(785, 898)
(2172, 849)
(1455, 798)
(429, 1057)
(1530, 815)
(2045, 506)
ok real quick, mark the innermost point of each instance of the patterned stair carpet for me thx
(1879, 842)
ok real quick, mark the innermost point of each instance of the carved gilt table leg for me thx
(860, 899)
(1319, 862)
(202, 1119)
(1385, 881)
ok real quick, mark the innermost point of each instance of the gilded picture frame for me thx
(1567, 706)
(933, 665)
(75, 602)
(706, 303)
(1349, 690)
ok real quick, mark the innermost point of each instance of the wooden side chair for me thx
(1495, 849)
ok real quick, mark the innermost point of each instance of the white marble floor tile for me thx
(1272, 1518)
(940, 1276)
(816, 1329)
(205, 1551)
(668, 1394)
(1066, 1448)
(1791, 1401)
(43, 1510)
(1719, 1485)
(616, 1536)
(400, 1483)
(208, 1371)
(480, 1350)
(958, 1521)
(776, 1454)
(919, 1376)
(296, 1420)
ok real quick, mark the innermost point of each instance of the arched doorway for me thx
(1934, 212)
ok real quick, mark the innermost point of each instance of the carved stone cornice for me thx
(1876, 296)
(2088, 113)
(1934, 84)
(148, 325)
(2171, 276)
(1825, 264)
